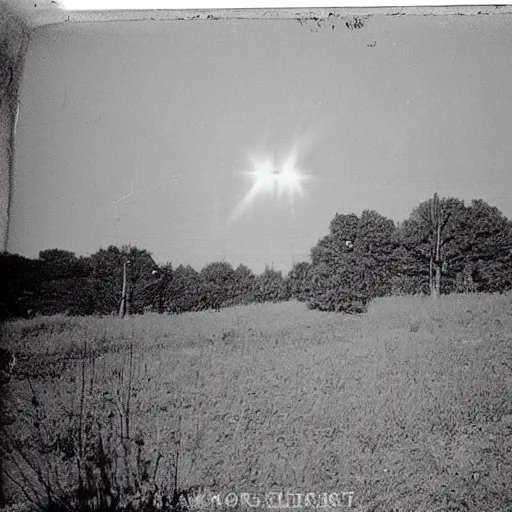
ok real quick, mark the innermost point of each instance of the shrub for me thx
(354, 263)
(271, 286)
(299, 281)
(93, 461)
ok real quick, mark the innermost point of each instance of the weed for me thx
(395, 405)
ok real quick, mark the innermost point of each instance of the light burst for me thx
(272, 179)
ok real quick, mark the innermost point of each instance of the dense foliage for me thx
(353, 263)
(59, 282)
(444, 246)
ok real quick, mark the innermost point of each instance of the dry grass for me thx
(409, 406)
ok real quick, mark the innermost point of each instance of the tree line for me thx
(444, 246)
(60, 282)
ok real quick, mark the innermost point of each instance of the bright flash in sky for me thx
(277, 180)
(273, 179)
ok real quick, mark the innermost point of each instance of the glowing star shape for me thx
(273, 180)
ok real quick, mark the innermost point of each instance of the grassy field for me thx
(409, 406)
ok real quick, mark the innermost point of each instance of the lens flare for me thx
(277, 180)
(273, 180)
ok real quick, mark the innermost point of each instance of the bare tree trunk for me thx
(438, 280)
(431, 282)
(435, 258)
(438, 255)
(122, 307)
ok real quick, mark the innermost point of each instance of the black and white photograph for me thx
(255, 258)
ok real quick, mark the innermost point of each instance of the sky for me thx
(145, 133)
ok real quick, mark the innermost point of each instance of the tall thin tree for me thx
(438, 223)
(124, 292)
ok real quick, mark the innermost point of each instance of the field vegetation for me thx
(408, 406)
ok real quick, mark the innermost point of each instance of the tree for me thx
(140, 278)
(58, 263)
(184, 290)
(299, 281)
(245, 281)
(431, 234)
(410, 277)
(217, 285)
(438, 223)
(353, 263)
(337, 289)
(331, 248)
(158, 291)
(107, 278)
(20, 281)
(65, 285)
(374, 254)
(270, 286)
(464, 248)
(483, 262)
